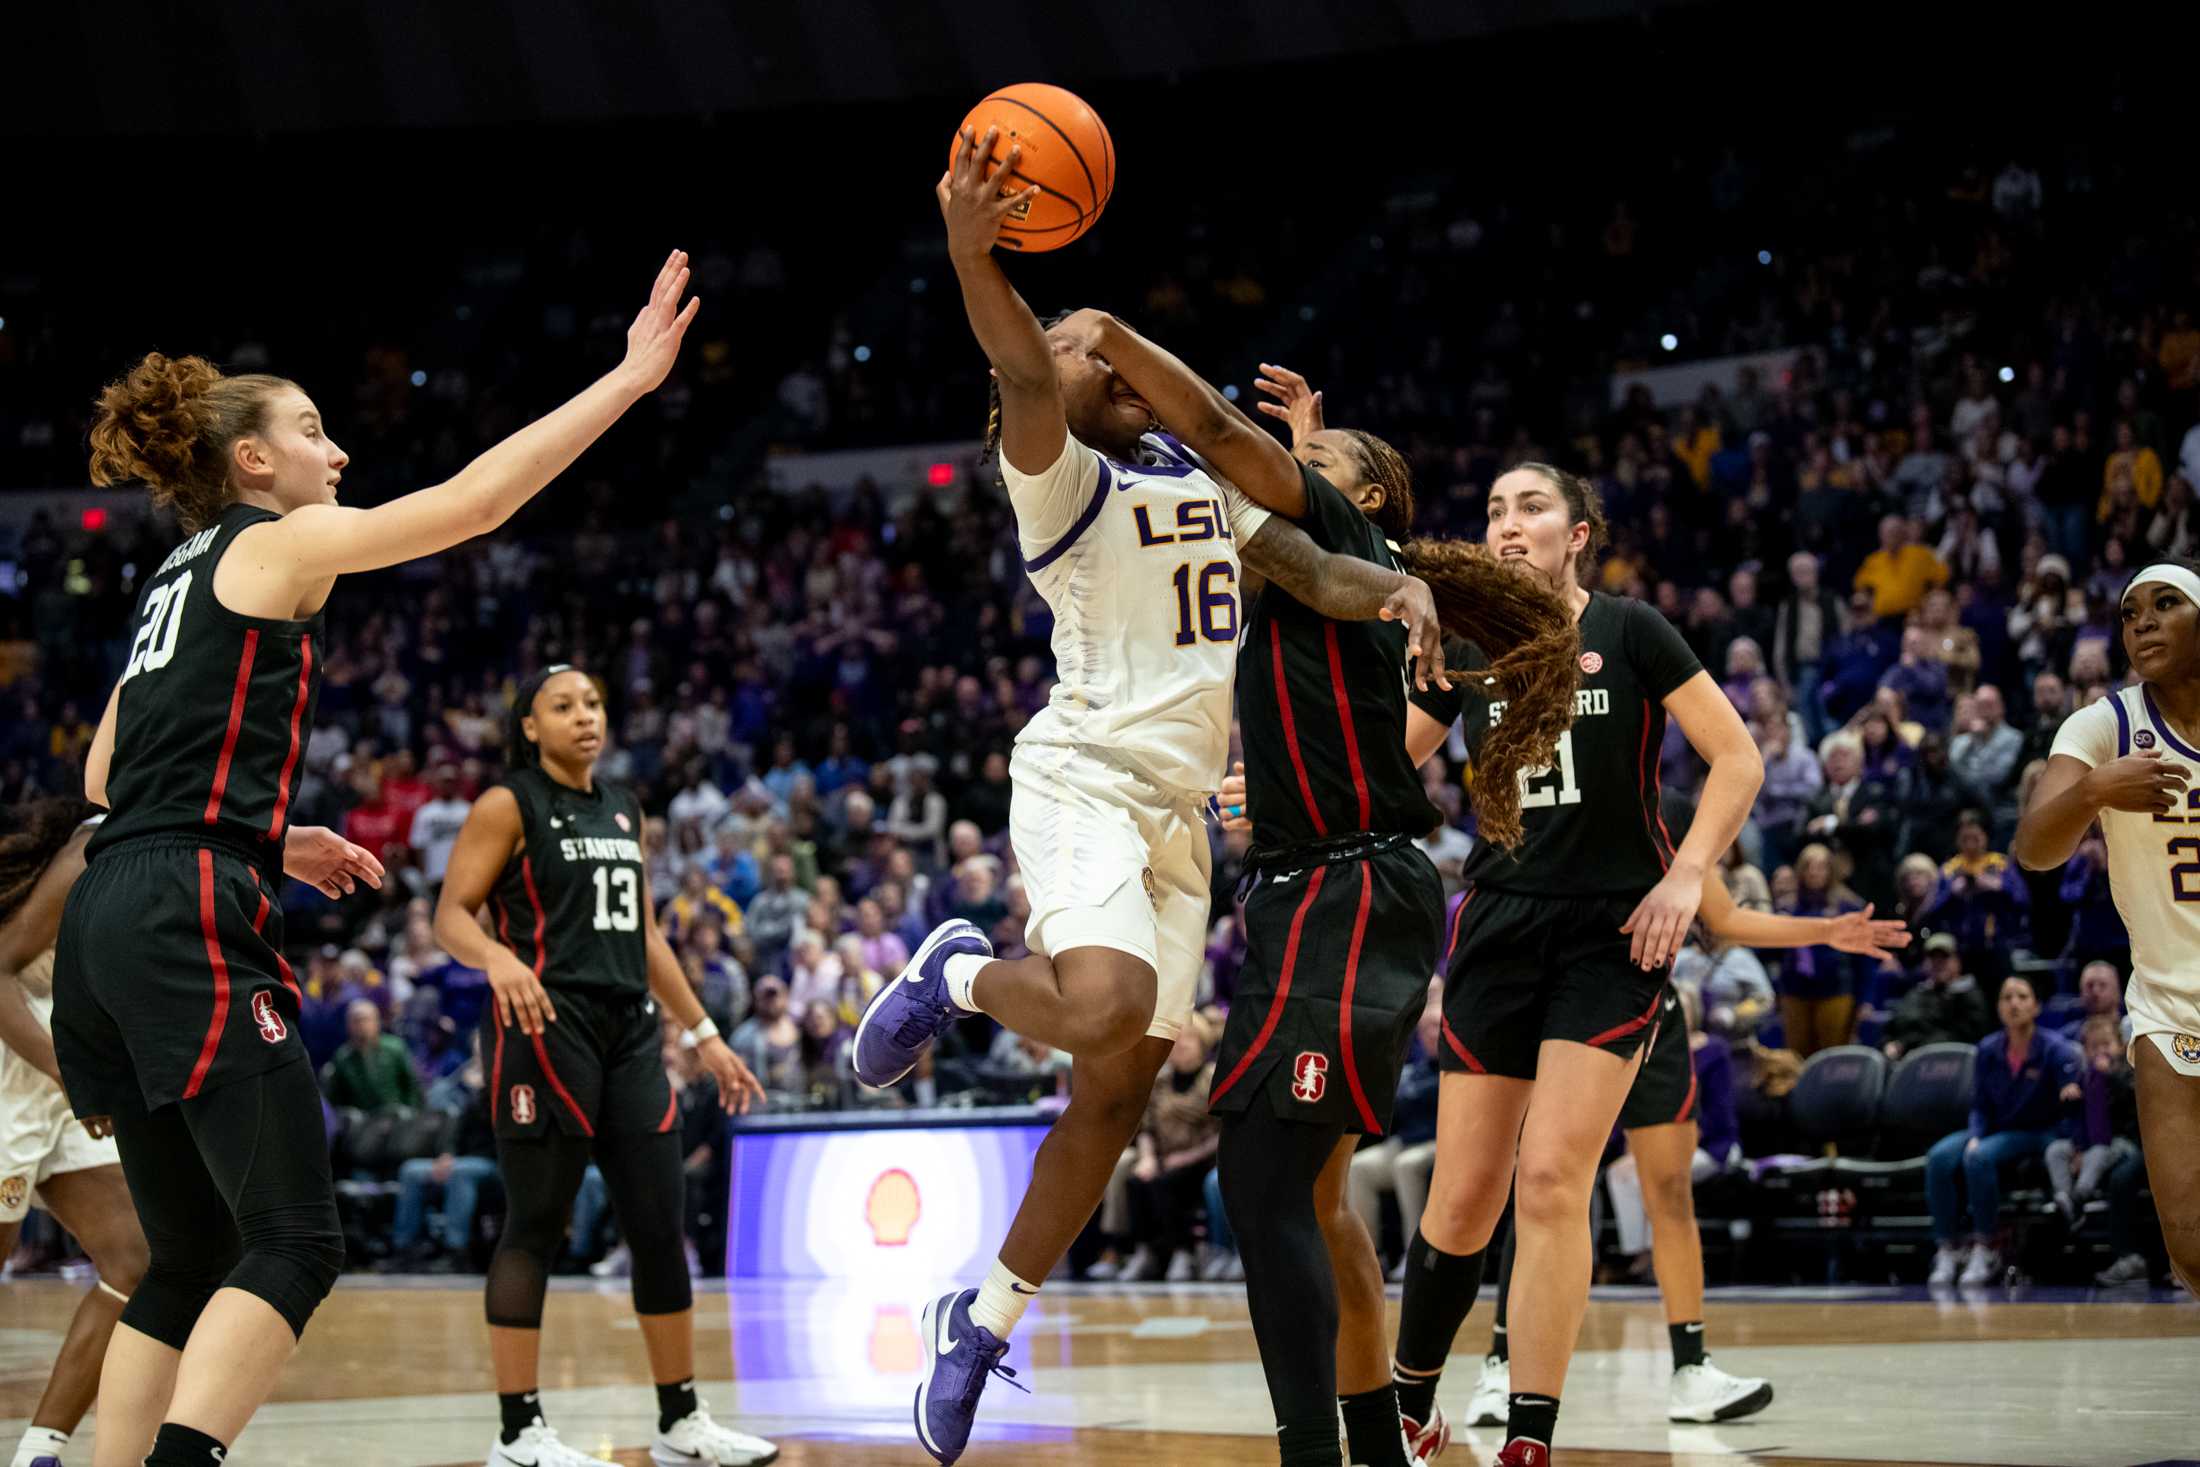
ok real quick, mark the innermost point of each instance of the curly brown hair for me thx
(1534, 652)
(31, 835)
(169, 423)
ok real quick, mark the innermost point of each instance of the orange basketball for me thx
(1067, 153)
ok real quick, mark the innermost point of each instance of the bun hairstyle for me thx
(170, 422)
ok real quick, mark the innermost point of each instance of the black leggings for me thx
(1269, 1169)
(542, 1174)
(232, 1188)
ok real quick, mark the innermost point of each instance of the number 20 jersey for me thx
(1143, 584)
(1590, 823)
(214, 709)
(569, 902)
(2153, 860)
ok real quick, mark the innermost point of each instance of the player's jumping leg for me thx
(94, 1205)
(1665, 1159)
(1373, 1427)
(966, 1333)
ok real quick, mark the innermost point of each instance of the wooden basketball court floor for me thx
(394, 1373)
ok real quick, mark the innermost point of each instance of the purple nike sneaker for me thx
(958, 1356)
(905, 1016)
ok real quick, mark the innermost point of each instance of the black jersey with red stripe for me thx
(570, 903)
(1322, 704)
(214, 709)
(1590, 822)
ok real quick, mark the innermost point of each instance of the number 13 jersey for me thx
(2153, 860)
(569, 901)
(1590, 822)
(1139, 564)
(214, 709)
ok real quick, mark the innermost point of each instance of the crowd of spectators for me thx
(1900, 552)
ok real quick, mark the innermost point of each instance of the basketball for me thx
(1067, 153)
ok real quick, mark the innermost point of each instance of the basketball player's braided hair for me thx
(1534, 653)
(1584, 506)
(31, 835)
(1382, 465)
(992, 446)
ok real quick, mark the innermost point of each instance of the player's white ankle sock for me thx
(1001, 1300)
(39, 1441)
(961, 971)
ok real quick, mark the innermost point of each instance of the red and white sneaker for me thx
(1521, 1452)
(1427, 1442)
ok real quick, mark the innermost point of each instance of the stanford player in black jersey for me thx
(174, 1011)
(1558, 957)
(573, 1043)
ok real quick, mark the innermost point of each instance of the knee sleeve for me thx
(292, 1256)
(649, 1193)
(541, 1176)
(178, 1281)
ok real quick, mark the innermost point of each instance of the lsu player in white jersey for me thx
(2132, 762)
(1137, 545)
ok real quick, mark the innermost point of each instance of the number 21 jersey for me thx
(1590, 822)
(214, 708)
(569, 903)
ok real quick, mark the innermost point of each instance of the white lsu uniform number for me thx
(2153, 872)
(1139, 564)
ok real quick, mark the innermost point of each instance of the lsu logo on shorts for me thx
(2186, 1047)
(523, 1104)
(14, 1192)
(1309, 1075)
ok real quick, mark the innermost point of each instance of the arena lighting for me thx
(863, 354)
(940, 475)
(94, 520)
(1764, 257)
(1230, 391)
(2007, 374)
(1670, 342)
(419, 378)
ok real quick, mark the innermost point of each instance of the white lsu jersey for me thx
(1139, 563)
(2153, 860)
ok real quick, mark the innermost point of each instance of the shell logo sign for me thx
(893, 1207)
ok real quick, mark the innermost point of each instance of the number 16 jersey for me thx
(214, 709)
(569, 901)
(1590, 822)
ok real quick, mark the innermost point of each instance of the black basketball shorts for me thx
(598, 1071)
(1664, 1092)
(169, 978)
(1523, 969)
(1337, 966)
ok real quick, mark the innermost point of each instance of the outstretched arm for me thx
(1207, 422)
(1033, 429)
(311, 545)
(1851, 932)
(1346, 588)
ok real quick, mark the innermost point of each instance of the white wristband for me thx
(707, 1029)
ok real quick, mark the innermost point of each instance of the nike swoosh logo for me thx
(1020, 1289)
(947, 1342)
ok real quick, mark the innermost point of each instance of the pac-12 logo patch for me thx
(624, 823)
(2143, 738)
(1309, 1075)
(272, 1028)
(1592, 662)
(2186, 1048)
(523, 1104)
(14, 1192)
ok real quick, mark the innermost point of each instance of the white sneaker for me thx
(1181, 1268)
(1706, 1393)
(538, 1446)
(2129, 1269)
(1492, 1393)
(1140, 1268)
(1984, 1267)
(697, 1441)
(616, 1264)
(1945, 1264)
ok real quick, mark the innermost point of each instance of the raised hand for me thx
(1296, 403)
(973, 195)
(653, 341)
